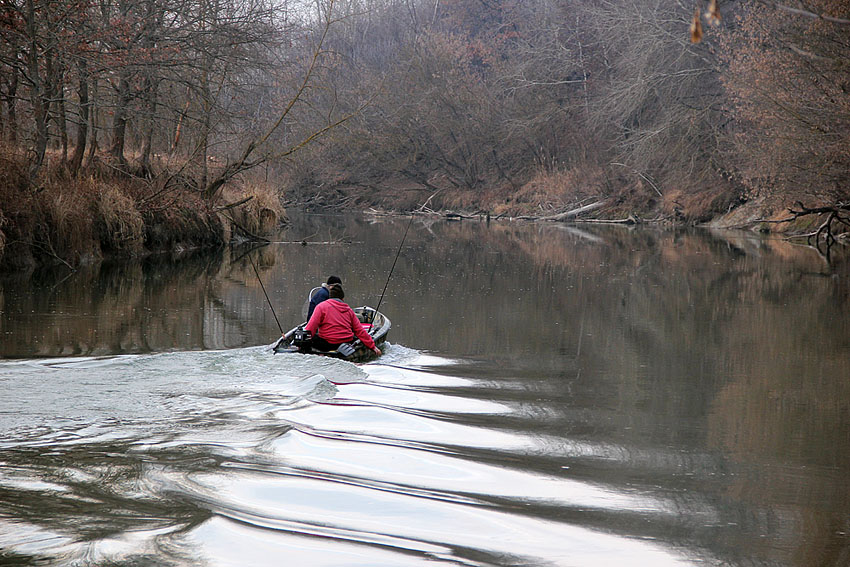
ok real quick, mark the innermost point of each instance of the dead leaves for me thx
(712, 15)
(696, 27)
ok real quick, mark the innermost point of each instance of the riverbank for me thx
(745, 218)
(588, 196)
(108, 212)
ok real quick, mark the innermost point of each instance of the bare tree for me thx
(660, 102)
(788, 79)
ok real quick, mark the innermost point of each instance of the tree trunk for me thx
(10, 125)
(153, 22)
(119, 120)
(178, 129)
(151, 88)
(83, 125)
(62, 121)
(13, 110)
(93, 145)
(576, 212)
(206, 124)
(40, 103)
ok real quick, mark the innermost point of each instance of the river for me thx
(550, 395)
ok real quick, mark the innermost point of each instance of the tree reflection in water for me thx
(706, 371)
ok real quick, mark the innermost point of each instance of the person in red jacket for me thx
(333, 323)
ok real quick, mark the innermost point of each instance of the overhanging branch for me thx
(808, 13)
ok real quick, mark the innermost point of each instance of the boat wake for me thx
(243, 457)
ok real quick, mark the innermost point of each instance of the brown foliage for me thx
(181, 221)
(13, 170)
(696, 28)
(120, 224)
(16, 216)
(260, 212)
(72, 220)
(550, 192)
(788, 82)
(698, 206)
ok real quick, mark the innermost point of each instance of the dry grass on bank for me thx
(548, 192)
(70, 220)
(67, 221)
(261, 211)
(551, 192)
(699, 206)
(120, 224)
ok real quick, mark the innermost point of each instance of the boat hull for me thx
(379, 328)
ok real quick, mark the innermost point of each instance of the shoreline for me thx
(207, 229)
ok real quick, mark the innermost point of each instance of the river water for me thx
(551, 395)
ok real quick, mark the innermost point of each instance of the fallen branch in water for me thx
(424, 211)
(244, 230)
(424, 205)
(838, 214)
(575, 212)
(631, 219)
(306, 243)
(458, 216)
(46, 249)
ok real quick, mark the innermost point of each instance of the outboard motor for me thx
(302, 338)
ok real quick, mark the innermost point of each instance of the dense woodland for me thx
(131, 125)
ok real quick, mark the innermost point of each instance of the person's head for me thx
(335, 291)
(334, 280)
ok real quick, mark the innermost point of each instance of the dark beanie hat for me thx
(334, 280)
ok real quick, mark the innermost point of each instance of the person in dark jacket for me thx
(321, 294)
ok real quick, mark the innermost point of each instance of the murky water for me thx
(551, 396)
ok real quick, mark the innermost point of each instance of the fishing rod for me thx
(393, 268)
(264, 292)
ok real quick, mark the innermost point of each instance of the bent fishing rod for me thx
(403, 238)
(256, 271)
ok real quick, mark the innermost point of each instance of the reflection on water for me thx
(551, 396)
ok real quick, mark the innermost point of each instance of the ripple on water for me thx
(408, 523)
(241, 457)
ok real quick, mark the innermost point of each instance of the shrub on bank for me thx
(260, 212)
(553, 191)
(119, 224)
(184, 223)
(63, 219)
(15, 210)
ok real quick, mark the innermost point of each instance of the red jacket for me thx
(334, 321)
